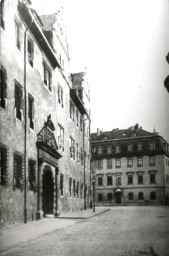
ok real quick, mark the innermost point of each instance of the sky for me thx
(123, 44)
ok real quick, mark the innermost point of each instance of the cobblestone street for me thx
(122, 231)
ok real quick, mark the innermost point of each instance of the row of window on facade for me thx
(75, 188)
(76, 152)
(118, 179)
(117, 148)
(131, 196)
(18, 175)
(129, 163)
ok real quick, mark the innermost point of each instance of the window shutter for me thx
(1, 82)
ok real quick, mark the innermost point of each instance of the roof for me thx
(121, 134)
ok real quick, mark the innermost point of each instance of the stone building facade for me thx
(44, 118)
(130, 167)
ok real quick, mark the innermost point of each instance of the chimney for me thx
(98, 132)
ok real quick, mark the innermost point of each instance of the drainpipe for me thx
(90, 159)
(25, 126)
(84, 163)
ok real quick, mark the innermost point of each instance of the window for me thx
(30, 49)
(139, 162)
(77, 117)
(81, 155)
(17, 34)
(77, 188)
(109, 196)
(60, 137)
(70, 186)
(18, 182)
(130, 179)
(109, 150)
(100, 197)
(109, 164)
(100, 181)
(72, 110)
(118, 163)
(31, 111)
(81, 189)
(117, 149)
(31, 174)
(109, 180)
(3, 165)
(152, 161)
(2, 23)
(18, 101)
(140, 178)
(118, 180)
(140, 196)
(60, 94)
(74, 188)
(152, 178)
(81, 123)
(3, 87)
(130, 163)
(61, 184)
(152, 195)
(100, 150)
(139, 147)
(152, 146)
(100, 164)
(47, 76)
(130, 147)
(130, 196)
(72, 148)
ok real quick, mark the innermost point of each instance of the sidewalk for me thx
(161, 247)
(22, 233)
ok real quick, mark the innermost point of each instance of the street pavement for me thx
(121, 231)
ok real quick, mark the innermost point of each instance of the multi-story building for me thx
(44, 118)
(130, 166)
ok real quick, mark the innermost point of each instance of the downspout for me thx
(84, 164)
(25, 126)
(90, 159)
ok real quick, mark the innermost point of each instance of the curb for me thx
(81, 218)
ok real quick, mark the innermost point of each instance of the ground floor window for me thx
(100, 197)
(31, 175)
(77, 188)
(61, 184)
(140, 196)
(18, 179)
(109, 196)
(152, 195)
(130, 196)
(81, 189)
(70, 186)
(74, 188)
(3, 165)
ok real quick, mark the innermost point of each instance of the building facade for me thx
(44, 118)
(130, 166)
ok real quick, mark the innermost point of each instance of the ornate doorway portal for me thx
(47, 192)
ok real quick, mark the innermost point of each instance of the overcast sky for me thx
(123, 44)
